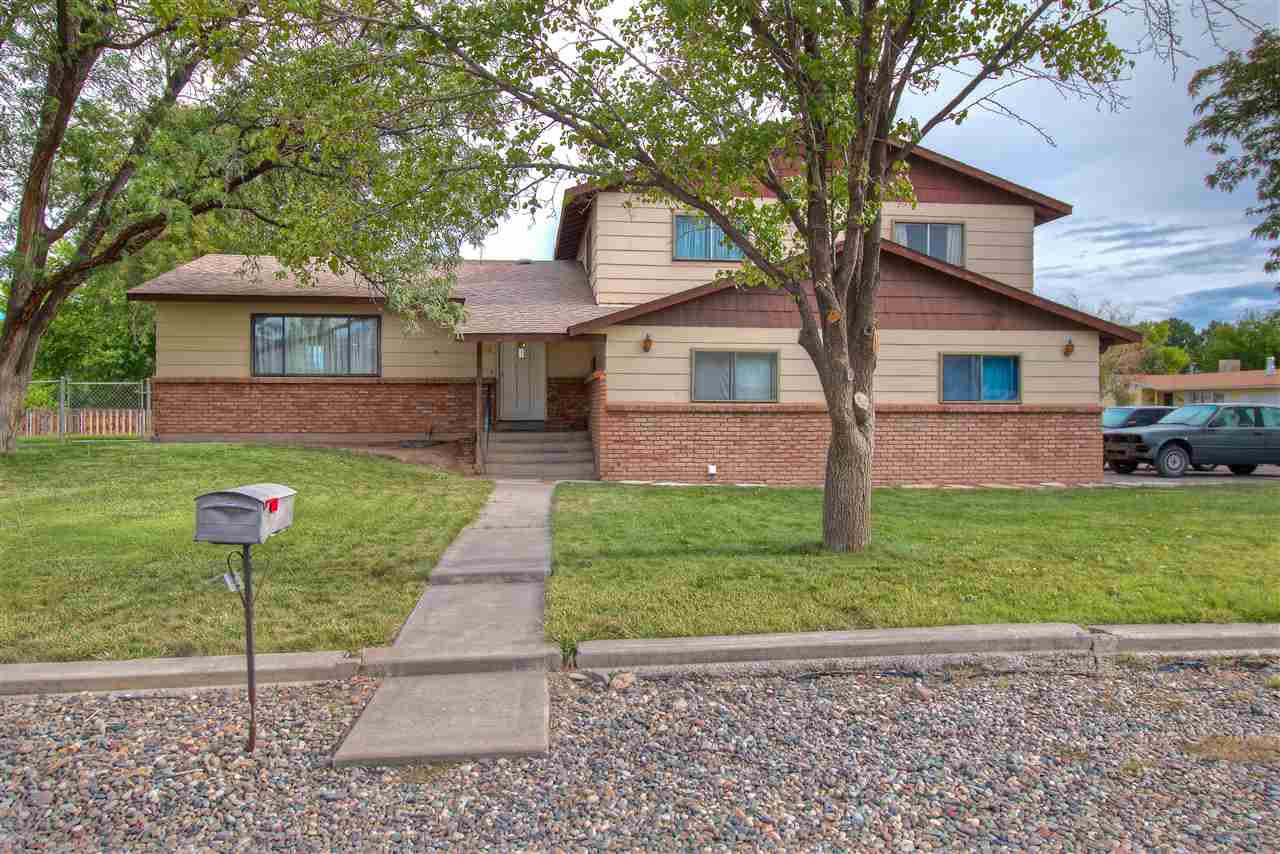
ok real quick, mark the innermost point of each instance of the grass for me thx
(99, 561)
(636, 561)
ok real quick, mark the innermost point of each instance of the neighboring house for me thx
(626, 334)
(1224, 386)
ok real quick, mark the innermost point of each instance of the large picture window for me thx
(941, 240)
(314, 345)
(981, 379)
(720, 375)
(700, 239)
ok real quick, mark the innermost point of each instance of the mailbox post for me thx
(245, 516)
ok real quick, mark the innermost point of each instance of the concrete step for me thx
(542, 471)
(541, 455)
(449, 718)
(540, 438)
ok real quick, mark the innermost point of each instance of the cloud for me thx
(1122, 232)
(1226, 304)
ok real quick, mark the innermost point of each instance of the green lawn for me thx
(98, 559)
(635, 561)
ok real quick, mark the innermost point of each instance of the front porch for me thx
(533, 413)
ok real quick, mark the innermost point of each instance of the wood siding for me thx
(999, 240)
(211, 339)
(907, 371)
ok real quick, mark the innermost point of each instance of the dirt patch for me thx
(1236, 748)
(451, 456)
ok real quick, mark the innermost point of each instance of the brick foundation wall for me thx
(787, 444)
(306, 406)
(568, 404)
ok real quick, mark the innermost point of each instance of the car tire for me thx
(1124, 467)
(1204, 466)
(1173, 461)
(1242, 470)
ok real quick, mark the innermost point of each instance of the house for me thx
(626, 337)
(1228, 385)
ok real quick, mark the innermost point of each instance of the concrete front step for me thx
(539, 438)
(448, 718)
(542, 471)
(519, 456)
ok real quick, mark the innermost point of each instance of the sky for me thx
(1145, 233)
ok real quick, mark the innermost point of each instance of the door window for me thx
(1270, 416)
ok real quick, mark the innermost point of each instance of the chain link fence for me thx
(66, 409)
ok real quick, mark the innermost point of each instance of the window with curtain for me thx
(981, 379)
(941, 240)
(297, 345)
(748, 377)
(700, 239)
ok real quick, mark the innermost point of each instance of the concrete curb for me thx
(150, 673)
(1029, 639)
(408, 661)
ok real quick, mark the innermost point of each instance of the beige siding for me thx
(907, 370)
(211, 339)
(999, 240)
(628, 247)
(569, 358)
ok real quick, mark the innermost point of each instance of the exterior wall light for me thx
(521, 350)
(647, 343)
(1069, 347)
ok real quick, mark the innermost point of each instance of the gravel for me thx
(1057, 759)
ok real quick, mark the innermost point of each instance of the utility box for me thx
(245, 515)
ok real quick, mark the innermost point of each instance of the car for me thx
(1115, 417)
(1239, 436)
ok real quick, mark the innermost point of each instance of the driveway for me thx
(1264, 476)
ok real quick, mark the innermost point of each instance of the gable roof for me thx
(501, 297)
(577, 200)
(1110, 332)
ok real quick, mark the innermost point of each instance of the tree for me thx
(122, 120)
(1251, 339)
(1243, 107)
(1183, 334)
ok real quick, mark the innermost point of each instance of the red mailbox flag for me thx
(273, 505)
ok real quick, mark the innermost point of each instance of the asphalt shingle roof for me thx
(533, 297)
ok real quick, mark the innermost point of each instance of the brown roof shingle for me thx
(512, 297)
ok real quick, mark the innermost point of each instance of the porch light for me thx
(1069, 347)
(521, 350)
(647, 343)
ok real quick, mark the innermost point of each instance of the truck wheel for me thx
(1123, 467)
(1242, 470)
(1173, 461)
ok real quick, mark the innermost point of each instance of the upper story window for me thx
(700, 239)
(941, 240)
(981, 379)
(315, 345)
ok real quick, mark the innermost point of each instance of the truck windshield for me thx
(1114, 416)
(1192, 416)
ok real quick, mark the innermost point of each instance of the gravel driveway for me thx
(1057, 759)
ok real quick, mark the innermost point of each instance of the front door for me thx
(522, 381)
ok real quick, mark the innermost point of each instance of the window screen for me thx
(315, 345)
(700, 239)
(941, 240)
(744, 376)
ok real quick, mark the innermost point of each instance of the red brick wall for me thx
(786, 444)
(598, 390)
(568, 404)
(312, 406)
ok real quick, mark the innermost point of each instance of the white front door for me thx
(522, 383)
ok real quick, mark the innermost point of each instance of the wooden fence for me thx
(84, 422)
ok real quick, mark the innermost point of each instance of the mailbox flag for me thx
(273, 505)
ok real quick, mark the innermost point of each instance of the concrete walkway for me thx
(467, 672)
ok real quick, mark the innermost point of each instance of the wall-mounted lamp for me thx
(647, 343)
(1069, 347)
(521, 350)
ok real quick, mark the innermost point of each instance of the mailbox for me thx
(246, 515)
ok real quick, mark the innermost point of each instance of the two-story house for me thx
(627, 338)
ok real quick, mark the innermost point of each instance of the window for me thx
(1271, 416)
(700, 239)
(981, 379)
(941, 240)
(745, 377)
(1238, 417)
(315, 345)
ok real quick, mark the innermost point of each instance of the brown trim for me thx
(285, 295)
(325, 380)
(897, 408)
(527, 336)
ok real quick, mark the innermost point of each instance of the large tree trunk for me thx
(846, 501)
(14, 378)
